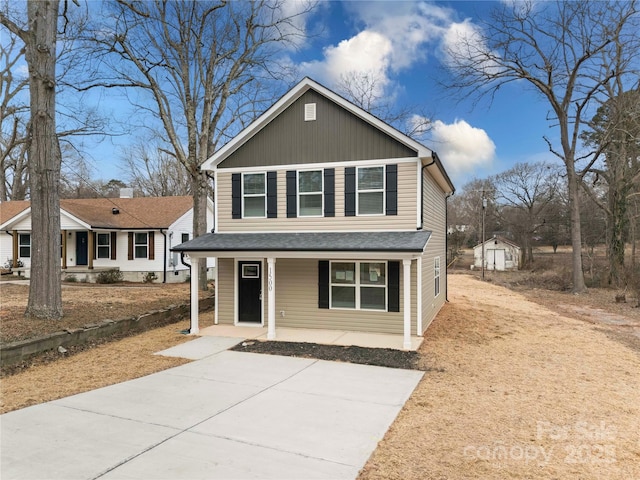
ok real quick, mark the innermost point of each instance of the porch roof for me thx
(400, 242)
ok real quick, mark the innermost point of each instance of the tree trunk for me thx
(199, 189)
(576, 233)
(45, 295)
(615, 245)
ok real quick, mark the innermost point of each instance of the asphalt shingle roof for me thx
(309, 242)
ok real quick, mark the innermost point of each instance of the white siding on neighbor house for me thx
(404, 220)
(434, 220)
(491, 244)
(6, 248)
(296, 284)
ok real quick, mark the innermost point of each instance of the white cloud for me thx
(461, 146)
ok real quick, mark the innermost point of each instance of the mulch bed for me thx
(380, 357)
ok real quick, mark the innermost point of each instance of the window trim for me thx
(436, 276)
(383, 190)
(24, 245)
(318, 192)
(254, 195)
(107, 246)
(182, 237)
(358, 285)
(136, 244)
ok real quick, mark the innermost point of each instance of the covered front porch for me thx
(300, 282)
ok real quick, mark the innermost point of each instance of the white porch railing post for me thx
(271, 292)
(406, 270)
(195, 273)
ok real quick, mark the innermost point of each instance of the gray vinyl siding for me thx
(225, 291)
(434, 220)
(404, 220)
(336, 135)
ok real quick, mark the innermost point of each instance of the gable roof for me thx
(8, 210)
(294, 94)
(133, 213)
(500, 239)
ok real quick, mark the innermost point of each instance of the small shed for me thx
(499, 254)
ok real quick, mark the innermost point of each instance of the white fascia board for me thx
(290, 97)
(15, 219)
(347, 255)
(437, 175)
(80, 222)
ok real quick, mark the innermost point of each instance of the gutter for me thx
(433, 161)
(446, 246)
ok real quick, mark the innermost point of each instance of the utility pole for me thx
(484, 207)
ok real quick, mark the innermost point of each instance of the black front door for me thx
(249, 292)
(82, 248)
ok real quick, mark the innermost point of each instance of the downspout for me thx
(433, 157)
(164, 265)
(446, 246)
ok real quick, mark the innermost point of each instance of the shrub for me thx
(110, 276)
(71, 279)
(150, 277)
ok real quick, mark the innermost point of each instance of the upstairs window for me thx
(254, 195)
(104, 245)
(370, 191)
(24, 245)
(184, 237)
(310, 193)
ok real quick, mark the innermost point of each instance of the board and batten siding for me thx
(434, 219)
(404, 220)
(336, 135)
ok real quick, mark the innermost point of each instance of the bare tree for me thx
(525, 194)
(13, 113)
(562, 50)
(39, 35)
(201, 68)
(154, 172)
(367, 90)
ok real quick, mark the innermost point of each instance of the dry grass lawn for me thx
(515, 391)
(512, 389)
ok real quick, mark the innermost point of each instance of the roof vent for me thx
(309, 112)
(115, 211)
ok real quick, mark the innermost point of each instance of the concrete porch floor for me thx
(327, 337)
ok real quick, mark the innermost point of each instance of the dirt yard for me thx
(547, 387)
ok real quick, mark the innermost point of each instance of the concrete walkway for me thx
(228, 415)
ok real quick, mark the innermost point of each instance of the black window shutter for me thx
(392, 189)
(236, 195)
(323, 284)
(393, 292)
(292, 194)
(329, 192)
(272, 194)
(350, 192)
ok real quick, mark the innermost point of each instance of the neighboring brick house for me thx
(133, 235)
(326, 217)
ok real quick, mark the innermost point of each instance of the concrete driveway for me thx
(228, 415)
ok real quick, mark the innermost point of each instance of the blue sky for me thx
(401, 43)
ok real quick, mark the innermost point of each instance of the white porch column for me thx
(271, 291)
(419, 296)
(195, 274)
(406, 270)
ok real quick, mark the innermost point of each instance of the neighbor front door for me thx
(82, 248)
(249, 292)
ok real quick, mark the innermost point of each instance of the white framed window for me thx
(184, 237)
(436, 276)
(254, 195)
(251, 270)
(140, 245)
(358, 285)
(310, 193)
(104, 245)
(24, 245)
(370, 190)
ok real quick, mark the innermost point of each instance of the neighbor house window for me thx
(310, 193)
(254, 195)
(185, 237)
(140, 245)
(370, 190)
(24, 244)
(104, 245)
(436, 276)
(359, 285)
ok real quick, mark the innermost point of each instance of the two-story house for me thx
(326, 217)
